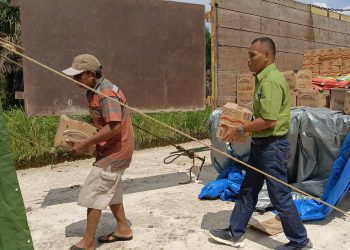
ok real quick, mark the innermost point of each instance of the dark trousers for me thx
(271, 156)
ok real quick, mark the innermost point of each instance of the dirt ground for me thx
(162, 213)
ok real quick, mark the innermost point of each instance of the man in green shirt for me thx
(269, 152)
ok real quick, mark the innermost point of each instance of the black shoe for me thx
(224, 236)
(292, 246)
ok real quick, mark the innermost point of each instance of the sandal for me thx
(105, 239)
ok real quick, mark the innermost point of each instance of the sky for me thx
(335, 4)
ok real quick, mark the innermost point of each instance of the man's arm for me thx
(110, 130)
(256, 125)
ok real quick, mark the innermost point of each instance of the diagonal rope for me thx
(12, 49)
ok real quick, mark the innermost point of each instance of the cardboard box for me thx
(70, 129)
(346, 62)
(245, 82)
(346, 70)
(337, 98)
(345, 52)
(332, 62)
(290, 78)
(307, 98)
(331, 70)
(293, 98)
(315, 60)
(331, 53)
(233, 115)
(301, 79)
(245, 99)
(313, 98)
(315, 69)
(311, 53)
(304, 79)
(323, 99)
(347, 103)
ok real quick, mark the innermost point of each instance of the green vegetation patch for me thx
(32, 137)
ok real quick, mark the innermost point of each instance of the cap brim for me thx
(72, 72)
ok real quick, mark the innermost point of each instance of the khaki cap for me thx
(81, 63)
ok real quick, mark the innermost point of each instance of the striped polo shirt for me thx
(117, 151)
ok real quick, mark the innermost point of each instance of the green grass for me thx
(32, 137)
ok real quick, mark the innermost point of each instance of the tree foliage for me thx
(11, 79)
(208, 61)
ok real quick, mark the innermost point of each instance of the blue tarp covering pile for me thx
(227, 185)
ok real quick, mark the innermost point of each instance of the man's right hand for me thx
(78, 147)
(231, 131)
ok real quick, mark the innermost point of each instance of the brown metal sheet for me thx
(152, 49)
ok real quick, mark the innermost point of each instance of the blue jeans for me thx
(271, 156)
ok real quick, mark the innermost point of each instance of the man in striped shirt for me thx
(114, 147)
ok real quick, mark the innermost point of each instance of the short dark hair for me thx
(268, 42)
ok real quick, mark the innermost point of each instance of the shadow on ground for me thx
(70, 194)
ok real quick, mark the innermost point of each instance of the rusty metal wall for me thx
(153, 50)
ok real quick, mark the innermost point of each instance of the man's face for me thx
(258, 57)
(85, 78)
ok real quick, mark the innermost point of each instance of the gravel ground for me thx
(162, 213)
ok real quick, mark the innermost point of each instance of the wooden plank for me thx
(325, 46)
(334, 15)
(288, 61)
(235, 59)
(318, 11)
(227, 83)
(292, 4)
(329, 37)
(269, 26)
(230, 37)
(226, 89)
(347, 40)
(228, 78)
(247, 22)
(295, 31)
(238, 20)
(238, 38)
(320, 36)
(232, 19)
(345, 18)
(222, 100)
(332, 24)
(268, 9)
(337, 38)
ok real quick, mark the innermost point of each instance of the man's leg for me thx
(88, 241)
(245, 205)
(123, 227)
(280, 195)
